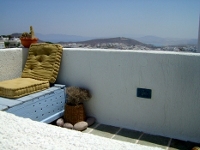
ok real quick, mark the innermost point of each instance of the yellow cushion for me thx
(21, 86)
(43, 62)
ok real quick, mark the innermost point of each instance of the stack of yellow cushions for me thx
(40, 70)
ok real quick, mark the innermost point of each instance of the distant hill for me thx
(17, 35)
(148, 41)
(61, 37)
(126, 41)
(158, 41)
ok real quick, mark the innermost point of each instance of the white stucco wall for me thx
(11, 63)
(198, 50)
(114, 76)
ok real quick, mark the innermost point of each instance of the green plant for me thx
(6, 44)
(9, 36)
(30, 35)
(76, 95)
(18, 44)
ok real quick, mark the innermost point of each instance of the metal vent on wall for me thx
(144, 93)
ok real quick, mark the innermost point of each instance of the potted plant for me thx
(28, 38)
(74, 109)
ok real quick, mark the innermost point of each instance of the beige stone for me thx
(68, 126)
(90, 121)
(80, 126)
(60, 122)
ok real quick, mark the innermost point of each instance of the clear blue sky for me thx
(102, 18)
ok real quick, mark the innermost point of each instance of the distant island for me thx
(115, 43)
(120, 43)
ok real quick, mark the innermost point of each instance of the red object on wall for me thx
(26, 42)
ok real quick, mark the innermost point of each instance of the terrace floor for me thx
(141, 138)
(137, 137)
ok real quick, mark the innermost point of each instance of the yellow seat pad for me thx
(19, 87)
(43, 62)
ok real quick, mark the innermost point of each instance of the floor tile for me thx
(182, 145)
(155, 141)
(132, 136)
(87, 130)
(127, 135)
(90, 128)
(93, 125)
(105, 130)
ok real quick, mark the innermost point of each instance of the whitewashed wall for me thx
(12, 62)
(114, 76)
(198, 50)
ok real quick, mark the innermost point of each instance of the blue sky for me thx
(102, 18)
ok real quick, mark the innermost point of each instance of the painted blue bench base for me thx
(45, 106)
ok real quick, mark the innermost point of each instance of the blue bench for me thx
(45, 106)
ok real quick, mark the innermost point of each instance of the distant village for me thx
(122, 46)
(11, 42)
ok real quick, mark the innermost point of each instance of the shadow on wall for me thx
(24, 56)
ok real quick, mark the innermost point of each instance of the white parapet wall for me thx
(12, 61)
(113, 77)
(23, 133)
(198, 47)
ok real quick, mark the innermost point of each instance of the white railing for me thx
(114, 77)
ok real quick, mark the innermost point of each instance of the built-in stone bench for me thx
(44, 106)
